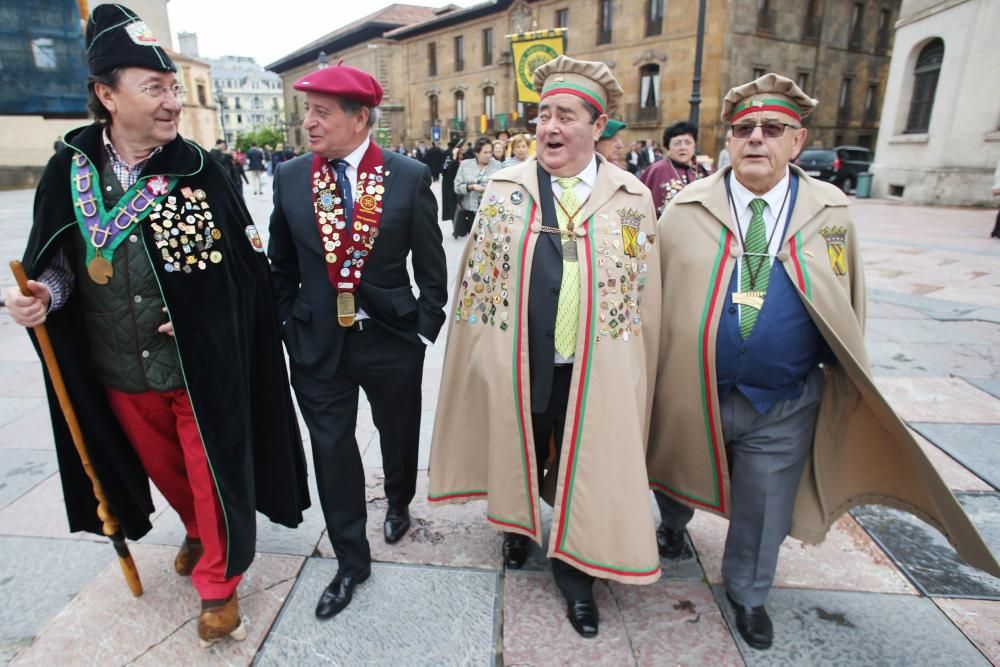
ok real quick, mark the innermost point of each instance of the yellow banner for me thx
(531, 51)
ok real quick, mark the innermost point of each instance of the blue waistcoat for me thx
(771, 365)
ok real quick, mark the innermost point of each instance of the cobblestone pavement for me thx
(883, 589)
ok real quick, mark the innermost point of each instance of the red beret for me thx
(343, 81)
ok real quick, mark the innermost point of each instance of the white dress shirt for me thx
(774, 197)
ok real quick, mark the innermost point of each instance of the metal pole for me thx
(696, 82)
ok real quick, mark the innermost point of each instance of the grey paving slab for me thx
(833, 628)
(939, 309)
(976, 446)
(403, 615)
(990, 386)
(22, 469)
(926, 557)
(38, 577)
(12, 408)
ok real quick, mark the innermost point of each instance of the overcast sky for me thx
(269, 31)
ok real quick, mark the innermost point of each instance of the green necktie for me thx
(756, 264)
(568, 312)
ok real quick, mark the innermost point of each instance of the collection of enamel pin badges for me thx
(184, 232)
(620, 267)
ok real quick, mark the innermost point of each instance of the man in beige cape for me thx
(765, 410)
(553, 339)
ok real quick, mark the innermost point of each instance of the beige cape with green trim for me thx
(482, 445)
(862, 452)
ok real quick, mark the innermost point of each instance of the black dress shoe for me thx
(397, 522)
(671, 543)
(582, 616)
(515, 550)
(753, 624)
(338, 594)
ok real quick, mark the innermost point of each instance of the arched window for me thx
(925, 79)
(432, 102)
(489, 102)
(460, 105)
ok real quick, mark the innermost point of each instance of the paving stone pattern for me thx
(883, 589)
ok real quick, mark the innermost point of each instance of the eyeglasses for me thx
(771, 130)
(157, 90)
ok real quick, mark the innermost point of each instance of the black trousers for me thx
(574, 584)
(389, 369)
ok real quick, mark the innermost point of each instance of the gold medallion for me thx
(100, 270)
(345, 309)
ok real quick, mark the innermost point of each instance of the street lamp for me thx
(221, 99)
(695, 100)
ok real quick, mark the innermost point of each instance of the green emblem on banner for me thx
(534, 57)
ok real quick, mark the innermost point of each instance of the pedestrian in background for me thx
(666, 178)
(996, 193)
(520, 147)
(470, 184)
(255, 164)
(610, 144)
(449, 200)
(434, 160)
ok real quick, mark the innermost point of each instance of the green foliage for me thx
(263, 136)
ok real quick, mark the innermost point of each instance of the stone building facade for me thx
(941, 122)
(246, 96)
(454, 67)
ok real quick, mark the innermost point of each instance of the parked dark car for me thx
(839, 165)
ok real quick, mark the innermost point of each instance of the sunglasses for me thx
(770, 129)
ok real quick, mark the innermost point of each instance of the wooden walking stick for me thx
(109, 521)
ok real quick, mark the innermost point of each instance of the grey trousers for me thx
(766, 454)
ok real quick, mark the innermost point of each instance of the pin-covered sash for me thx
(103, 231)
(346, 248)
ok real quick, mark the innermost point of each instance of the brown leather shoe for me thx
(188, 556)
(220, 618)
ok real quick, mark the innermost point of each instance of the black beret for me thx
(117, 37)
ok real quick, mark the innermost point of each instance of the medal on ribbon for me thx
(836, 248)
(346, 244)
(102, 230)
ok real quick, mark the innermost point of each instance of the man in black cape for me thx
(150, 277)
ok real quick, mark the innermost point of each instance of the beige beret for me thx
(590, 81)
(771, 92)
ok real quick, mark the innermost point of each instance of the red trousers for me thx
(163, 431)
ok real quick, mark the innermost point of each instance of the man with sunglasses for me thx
(151, 280)
(765, 410)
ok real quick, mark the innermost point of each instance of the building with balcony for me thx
(247, 97)
(940, 138)
(452, 68)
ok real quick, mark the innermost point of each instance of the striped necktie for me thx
(756, 265)
(568, 311)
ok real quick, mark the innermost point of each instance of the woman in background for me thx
(520, 147)
(470, 183)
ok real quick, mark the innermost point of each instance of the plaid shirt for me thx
(127, 174)
(58, 276)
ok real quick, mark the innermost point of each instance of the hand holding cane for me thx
(109, 521)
